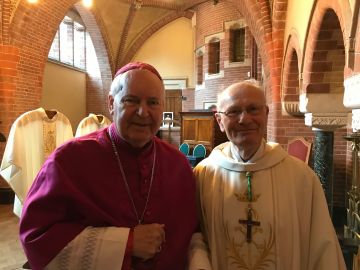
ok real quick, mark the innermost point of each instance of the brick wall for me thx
(188, 99)
(210, 21)
(9, 59)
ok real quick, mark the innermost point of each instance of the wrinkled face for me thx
(137, 109)
(244, 117)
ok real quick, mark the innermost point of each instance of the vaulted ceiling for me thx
(124, 22)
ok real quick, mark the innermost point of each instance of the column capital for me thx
(326, 121)
(291, 107)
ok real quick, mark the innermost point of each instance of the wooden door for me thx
(173, 103)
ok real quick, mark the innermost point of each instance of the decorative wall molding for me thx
(326, 121)
(200, 50)
(292, 108)
(214, 76)
(236, 24)
(219, 36)
(175, 84)
(246, 63)
(200, 86)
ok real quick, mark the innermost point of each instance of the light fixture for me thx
(87, 3)
(32, 1)
(137, 4)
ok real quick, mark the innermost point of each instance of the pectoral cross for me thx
(249, 223)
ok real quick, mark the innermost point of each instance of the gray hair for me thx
(117, 84)
(120, 82)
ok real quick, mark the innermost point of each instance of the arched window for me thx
(199, 68)
(237, 45)
(69, 44)
(214, 57)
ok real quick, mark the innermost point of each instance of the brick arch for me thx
(290, 74)
(97, 88)
(279, 9)
(269, 39)
(147, 33)
(355, 55)
(328, 58)
(258, 19)
(325, 46)
(33, 28)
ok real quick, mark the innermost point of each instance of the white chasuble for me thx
(286, 224)
(92, 123)
(32, 138)
(248, 226)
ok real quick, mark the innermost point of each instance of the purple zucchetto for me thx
(138, 65)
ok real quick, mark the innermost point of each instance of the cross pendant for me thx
(249, 223)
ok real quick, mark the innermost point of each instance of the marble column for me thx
(324, 125)
(323, 149)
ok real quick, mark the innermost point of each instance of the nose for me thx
(244, 117)
(143, 109)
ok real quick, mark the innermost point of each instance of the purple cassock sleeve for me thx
(80, 185)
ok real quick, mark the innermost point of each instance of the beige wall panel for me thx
(64, 89)
(171, 51)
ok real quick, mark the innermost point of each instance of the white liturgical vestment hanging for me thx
(92, 123)
(32, 138)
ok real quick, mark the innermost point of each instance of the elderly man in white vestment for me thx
(261, 208)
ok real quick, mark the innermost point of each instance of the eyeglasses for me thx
(252, 110)
(131, 101)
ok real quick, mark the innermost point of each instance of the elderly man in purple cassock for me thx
(117, 198)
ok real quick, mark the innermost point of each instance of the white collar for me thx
(258, 154)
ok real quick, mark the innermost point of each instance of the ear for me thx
(218, 119)
(267, 110)
(111, 104)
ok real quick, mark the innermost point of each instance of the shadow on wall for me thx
(2, 137)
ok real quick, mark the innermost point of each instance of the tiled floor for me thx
(11, 254)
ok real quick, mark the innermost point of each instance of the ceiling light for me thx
(32, 1)
(87, 3)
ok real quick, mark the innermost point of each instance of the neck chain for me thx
(139, 218)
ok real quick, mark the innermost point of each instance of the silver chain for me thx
(141, 218)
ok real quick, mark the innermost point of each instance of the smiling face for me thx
(138, 107)
(244, 117)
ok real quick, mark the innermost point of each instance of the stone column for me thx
(323, 162)
(324, 125)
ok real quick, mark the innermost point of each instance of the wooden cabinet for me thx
(201, 127)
